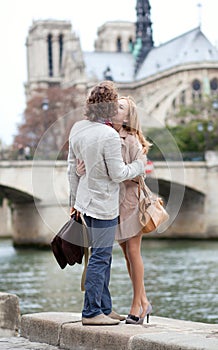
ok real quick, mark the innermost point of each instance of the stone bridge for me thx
(34, 199)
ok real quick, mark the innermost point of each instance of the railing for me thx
(185, 156)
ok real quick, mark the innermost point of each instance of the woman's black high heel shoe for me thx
(148, 312)
(132, 319)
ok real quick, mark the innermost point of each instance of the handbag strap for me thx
(142, 186)
(86, 253)
(147, 192)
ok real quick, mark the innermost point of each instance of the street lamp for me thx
(200, 127)
(45, 108)
(45, 104)
(209, 127)
(215, 104)
(206, 129)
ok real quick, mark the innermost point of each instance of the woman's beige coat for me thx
(129, 224)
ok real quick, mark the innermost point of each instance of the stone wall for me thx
(5, 220)
(9, 314)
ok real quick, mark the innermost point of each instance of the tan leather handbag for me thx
(151, 210)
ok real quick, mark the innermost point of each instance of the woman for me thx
(129, 235)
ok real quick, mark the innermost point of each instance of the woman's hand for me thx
(80, 168)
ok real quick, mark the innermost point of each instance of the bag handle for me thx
(141, 186)
(148, 193)
(86, 253)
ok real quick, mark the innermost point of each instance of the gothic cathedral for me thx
(160, 78)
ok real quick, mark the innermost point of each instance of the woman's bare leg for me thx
(135, 266)
(123, 246)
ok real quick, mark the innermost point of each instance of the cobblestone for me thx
(19, 343)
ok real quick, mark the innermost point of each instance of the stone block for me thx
(173, 341)
(77, 336)
(9, 314)
(45, 327)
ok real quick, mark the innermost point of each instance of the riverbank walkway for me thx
(65, 331)
(19, 343)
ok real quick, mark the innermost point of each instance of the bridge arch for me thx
(162, 186)
(189, 213)
(15, 195)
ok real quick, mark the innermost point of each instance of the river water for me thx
(180, 279)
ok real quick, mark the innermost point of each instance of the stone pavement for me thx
(59, 330)
(66, 330)
(19, 343)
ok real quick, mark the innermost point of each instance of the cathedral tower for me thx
(47, 43)
(144, 38)
(115, 36)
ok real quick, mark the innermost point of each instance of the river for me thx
(180, 279)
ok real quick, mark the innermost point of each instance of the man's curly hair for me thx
(102, 101)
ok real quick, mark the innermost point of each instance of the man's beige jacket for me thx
(96, 193)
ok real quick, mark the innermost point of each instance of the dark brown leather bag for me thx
(68, 244)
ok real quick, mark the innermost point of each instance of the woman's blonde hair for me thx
(134, 126)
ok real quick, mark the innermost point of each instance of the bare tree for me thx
(47, 120)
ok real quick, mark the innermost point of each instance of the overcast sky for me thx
(170, 18)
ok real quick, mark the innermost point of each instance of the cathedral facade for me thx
(161, 79)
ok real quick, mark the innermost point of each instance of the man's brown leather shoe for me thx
(99, 320)
(115, 316)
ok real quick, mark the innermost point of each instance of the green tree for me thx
(188, 138)
(196, 131)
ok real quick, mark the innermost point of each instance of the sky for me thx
(170, 18)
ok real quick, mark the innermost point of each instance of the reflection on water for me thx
(180, 279)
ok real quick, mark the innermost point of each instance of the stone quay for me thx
(64, 330)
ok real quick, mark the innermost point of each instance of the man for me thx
(96, 194)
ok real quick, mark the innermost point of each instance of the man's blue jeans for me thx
(97, 296)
